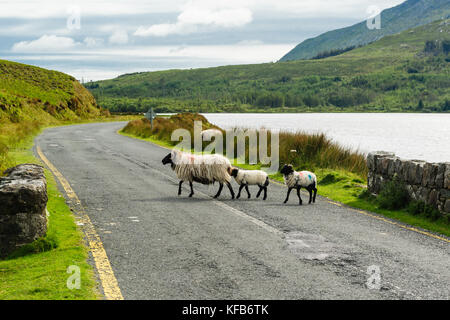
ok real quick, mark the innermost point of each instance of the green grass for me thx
(339, 185)
(42, 275)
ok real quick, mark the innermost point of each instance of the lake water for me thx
(409, 135)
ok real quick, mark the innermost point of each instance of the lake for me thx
(421, 136)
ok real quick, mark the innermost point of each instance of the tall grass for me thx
(303, 150)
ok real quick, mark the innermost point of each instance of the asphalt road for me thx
(164, 246)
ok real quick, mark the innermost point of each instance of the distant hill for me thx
(29, 93)
(409, 14)
(404, 72)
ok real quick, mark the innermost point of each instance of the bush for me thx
(421, 208)
(393, 195)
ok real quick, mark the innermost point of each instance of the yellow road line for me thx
(108, 280)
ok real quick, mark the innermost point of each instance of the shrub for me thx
(421, 208)
(393, 195)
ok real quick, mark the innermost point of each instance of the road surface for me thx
(164, 246)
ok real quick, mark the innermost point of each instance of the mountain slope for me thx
(407, 15)
(393, 74)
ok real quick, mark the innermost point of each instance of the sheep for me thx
(297, 180)
(204, 169)
(251, 177)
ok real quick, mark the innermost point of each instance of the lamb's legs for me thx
(287, 196)
(298, 194)
(231, 190)
(239, 193)
(315, 193)
(220, 190)
(265, 193)
(179, 187)
(248, 192)
(192, 189)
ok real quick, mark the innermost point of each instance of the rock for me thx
(447, 206)
(433, 198)
(439, 182)
(447, 176)
(23, 195)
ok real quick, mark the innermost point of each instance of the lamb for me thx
(204, 169)
(251, 177)
(297, 180)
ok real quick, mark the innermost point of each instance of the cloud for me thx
(119, 37)
(49, 43)
(201, 13)
(92, 42)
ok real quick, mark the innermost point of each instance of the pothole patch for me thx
(313, 247)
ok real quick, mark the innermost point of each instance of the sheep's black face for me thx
(167, 159)
(287, 169)
(234, 172)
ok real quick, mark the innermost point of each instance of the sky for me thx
(96, 39)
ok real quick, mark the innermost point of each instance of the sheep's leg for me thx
(239, 193)
(248, 192)
(265, 193)
(192, 189)
(220, 190)
(310, 194)
(179, 187)
(315, 193)
(287, 196)
(259, 192)
(231, 190)
(298, 194)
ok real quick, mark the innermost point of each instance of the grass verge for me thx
(33, 272)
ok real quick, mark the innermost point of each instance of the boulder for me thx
(23, 198)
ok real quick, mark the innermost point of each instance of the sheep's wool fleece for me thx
(302, 178)
(211, 167)
(251, 177)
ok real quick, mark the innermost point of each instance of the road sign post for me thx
(150, 115)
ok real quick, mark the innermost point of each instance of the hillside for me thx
(31, 97)
(394, 74)
(409, 14)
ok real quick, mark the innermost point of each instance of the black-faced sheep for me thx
(204, 169)
(251, 177)
(297, 180)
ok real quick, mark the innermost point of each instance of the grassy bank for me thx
(342, 173)
(38, 270)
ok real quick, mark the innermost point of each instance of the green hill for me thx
(32, 97)
(403, 72)
(30, 93)
(409, 14)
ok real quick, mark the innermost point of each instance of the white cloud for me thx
(201, 13)
(119, 37)
(92, 42)
(49, 43)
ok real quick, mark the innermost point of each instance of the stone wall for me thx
(23, 199)
(428, 182)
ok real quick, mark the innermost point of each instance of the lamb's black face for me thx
(287, 169)
(234, 172)
(167, 159)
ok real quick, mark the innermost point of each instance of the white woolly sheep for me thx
(204, 169)
(251, 177)
(297, 180)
